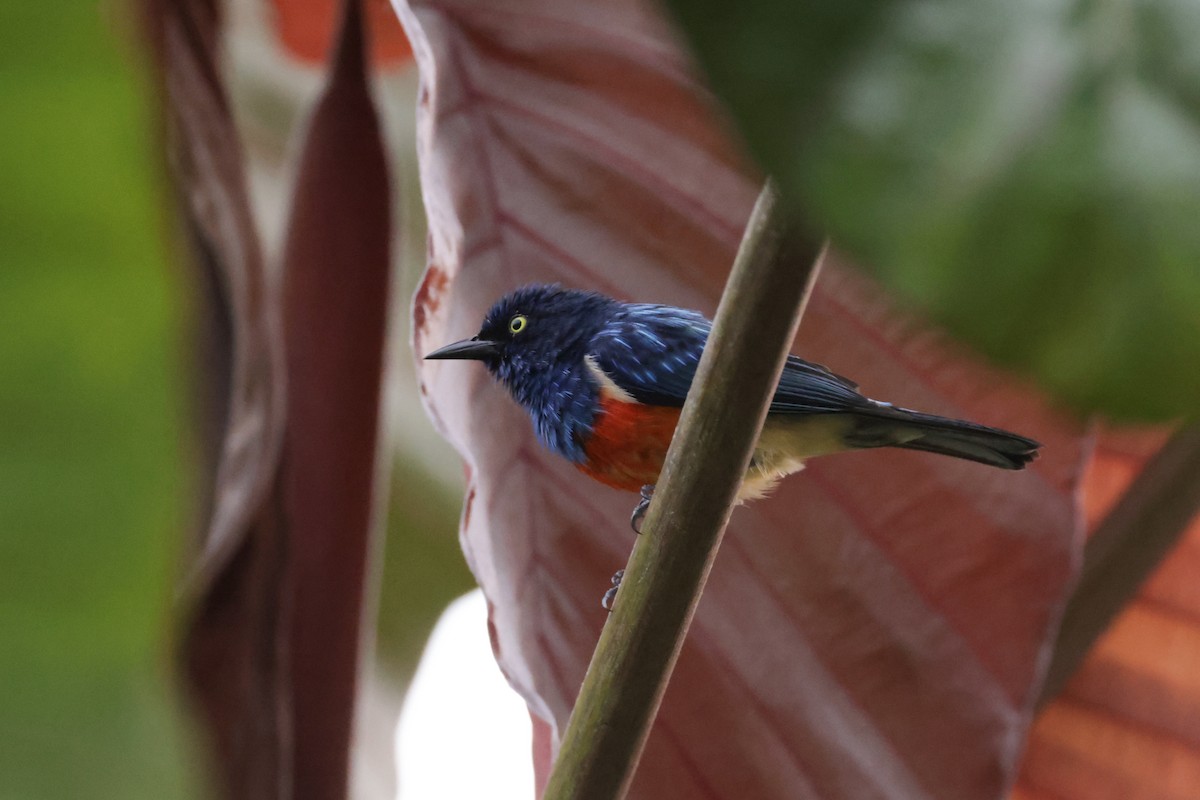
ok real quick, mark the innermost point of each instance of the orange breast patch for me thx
(629, 443)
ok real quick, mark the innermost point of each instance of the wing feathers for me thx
(651, 352)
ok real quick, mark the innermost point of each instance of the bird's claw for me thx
(635, 522)
(639, 511)
(611, 595)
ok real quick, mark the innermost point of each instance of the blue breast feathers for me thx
(562, 404)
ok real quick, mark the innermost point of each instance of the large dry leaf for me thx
(275, 593)
(878, 628)
(1127, 725)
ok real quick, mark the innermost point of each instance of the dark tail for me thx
(887, 426)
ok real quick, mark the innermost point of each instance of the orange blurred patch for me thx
(306, 30)
(1127, 725)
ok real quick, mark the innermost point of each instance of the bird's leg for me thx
(611, 595)
(635, 522)
(642, 507)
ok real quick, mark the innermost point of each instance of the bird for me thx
(604, 382)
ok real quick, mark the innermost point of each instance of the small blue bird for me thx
(604, 382)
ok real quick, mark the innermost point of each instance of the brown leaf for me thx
(337, 268)
(274, 597)
(206, 156)
(1127, 725)
(878, 628)
(232, 648)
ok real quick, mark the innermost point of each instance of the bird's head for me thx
(531, 334)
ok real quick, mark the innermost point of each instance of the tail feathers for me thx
(912, 430)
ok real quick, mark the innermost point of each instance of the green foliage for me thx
(423, 567)
(1029, 172)
(90, 476)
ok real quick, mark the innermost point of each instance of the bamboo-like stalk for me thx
(1131, 541)
(721, 419)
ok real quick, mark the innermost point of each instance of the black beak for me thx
(468, 350)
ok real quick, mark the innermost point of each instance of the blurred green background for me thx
(91, 482)
(96, 461)
(1026, 173)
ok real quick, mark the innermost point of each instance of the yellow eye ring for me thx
(517, 323)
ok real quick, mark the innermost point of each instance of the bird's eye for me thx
(517, 324)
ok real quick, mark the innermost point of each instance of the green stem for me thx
(753, 330)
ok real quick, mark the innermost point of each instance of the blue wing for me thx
(651, 351)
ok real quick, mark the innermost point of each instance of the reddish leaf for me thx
(336, 288)
(878, 628)
(1128, 723)
(275, 595)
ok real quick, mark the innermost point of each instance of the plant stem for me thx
(721, 419)
(1131, 541)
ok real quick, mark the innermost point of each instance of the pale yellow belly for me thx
(784, 445)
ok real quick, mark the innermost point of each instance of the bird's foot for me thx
(611, 595)
(639, 511)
